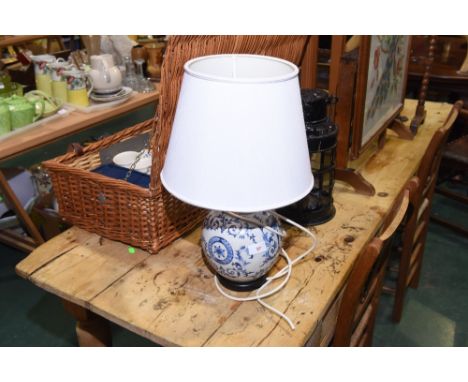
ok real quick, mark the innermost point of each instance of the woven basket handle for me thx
(158, 157)
(75, 148)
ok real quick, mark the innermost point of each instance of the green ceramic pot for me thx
(24, 112)
(51, 104)
(5, 119)
(5, 84)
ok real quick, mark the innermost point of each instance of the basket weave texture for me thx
(148, 218)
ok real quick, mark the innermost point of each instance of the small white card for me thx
(257, 248)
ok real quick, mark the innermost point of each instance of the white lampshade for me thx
(238, 141)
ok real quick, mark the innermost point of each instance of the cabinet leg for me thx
(91, 329)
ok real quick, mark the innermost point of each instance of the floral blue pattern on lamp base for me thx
(239, 250)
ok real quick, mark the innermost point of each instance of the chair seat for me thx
(457, 150)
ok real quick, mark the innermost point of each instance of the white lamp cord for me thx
(286, 270)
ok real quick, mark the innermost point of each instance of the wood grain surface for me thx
(170, 297)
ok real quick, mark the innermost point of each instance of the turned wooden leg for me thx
(91, 329)
(418, 119)
(420, 114)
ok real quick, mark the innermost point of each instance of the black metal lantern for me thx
(317, 207)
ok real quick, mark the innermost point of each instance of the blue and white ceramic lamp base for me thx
(240, 252)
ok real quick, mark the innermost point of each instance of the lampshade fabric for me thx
(238, 140)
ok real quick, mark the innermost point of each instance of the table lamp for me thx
(239, 148)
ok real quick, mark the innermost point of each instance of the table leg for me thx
(91, 329)
(22, 215)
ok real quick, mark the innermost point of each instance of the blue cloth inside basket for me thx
(113, 171)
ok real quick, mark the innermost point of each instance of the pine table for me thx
(170, 297)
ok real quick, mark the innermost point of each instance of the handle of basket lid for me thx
(155, 183)
(75, 148)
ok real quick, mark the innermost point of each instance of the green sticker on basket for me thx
(131, 250)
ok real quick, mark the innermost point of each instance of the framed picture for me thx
(380, 87)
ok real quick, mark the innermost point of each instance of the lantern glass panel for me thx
(327, 158)
(315, 159)
(318, 182)
(332, 182)
(326, 182)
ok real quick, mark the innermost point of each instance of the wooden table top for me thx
(73, 123)
(170, 297)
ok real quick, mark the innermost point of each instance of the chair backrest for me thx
(356, 316)
(429, 167)
(417, 219)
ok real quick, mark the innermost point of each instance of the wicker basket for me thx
(149, 218)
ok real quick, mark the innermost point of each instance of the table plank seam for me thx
(115, 281)
(227, 318)
(133, 328)
(29, 275)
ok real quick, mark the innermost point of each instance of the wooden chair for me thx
(357, 312)
(414, 229)
(454, 170)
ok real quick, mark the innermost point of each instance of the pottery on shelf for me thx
(5, 119)
(23, 111)
(42, 72)
(51, 104)
(139, 52)
(105, 76)
(155, 58)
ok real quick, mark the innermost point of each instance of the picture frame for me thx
(380, 88)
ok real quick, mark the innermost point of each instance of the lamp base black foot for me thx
(242, 286)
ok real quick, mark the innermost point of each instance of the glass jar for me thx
(130, 80)
(144, 84)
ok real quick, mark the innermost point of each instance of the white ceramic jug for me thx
(105, 76)
(42, 72)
